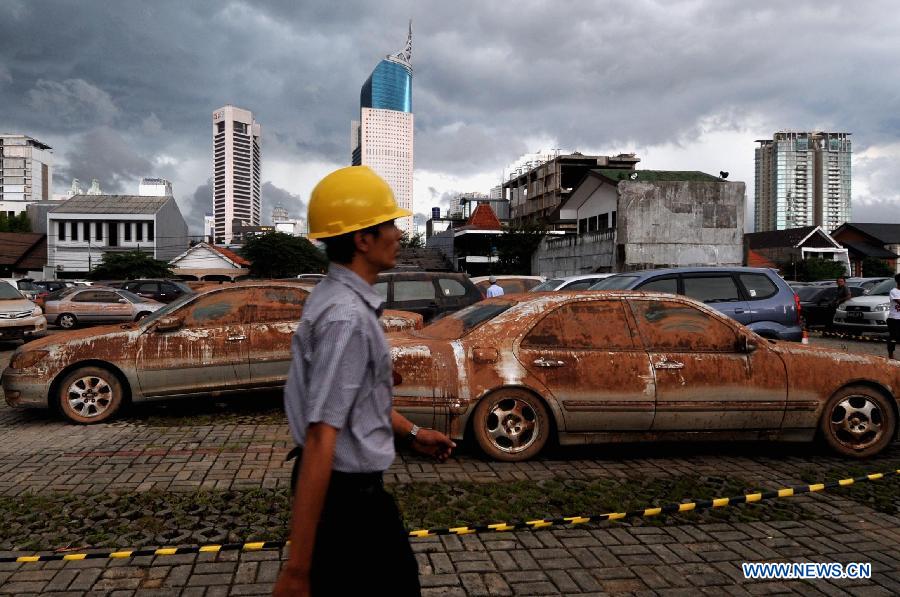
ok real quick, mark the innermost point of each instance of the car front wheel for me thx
(66, 321)
(511, 425)
(858, 422)
(89, 395)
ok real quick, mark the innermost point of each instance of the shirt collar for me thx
(351, 280)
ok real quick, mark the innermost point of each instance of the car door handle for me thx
(236, 338)
(668, 365)
(542, 362)
(738, 310)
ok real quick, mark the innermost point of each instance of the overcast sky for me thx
(126, 89)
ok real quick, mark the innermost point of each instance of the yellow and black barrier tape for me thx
(845, 336)
(498, 527)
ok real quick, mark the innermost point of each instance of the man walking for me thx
(347, 536)
(494, 289)
(843, 292)
(893, 321)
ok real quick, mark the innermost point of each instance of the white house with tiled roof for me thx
(204, 261)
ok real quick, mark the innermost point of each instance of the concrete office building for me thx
(154, 187)
(26, 172)
(802, 179)
(382, 138)
(236, 171)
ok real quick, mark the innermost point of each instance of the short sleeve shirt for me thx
(494, 290)
(895, 308)
(341, 373)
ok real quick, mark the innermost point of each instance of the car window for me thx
(579, 284)
(458, 324)
(758, 286)
(85, 297)
(104, 296)
(548, 285)
(218, 308)
(25, 285)
(884, 288)
(615, 283)
(277, 304)
(829, 294)
(381, 288)
(145, 287)
(451, 287)
(676, 327)
(169, 288)
(669, 285)
(413, 290)
(7, 292)
(711, 289)
(511, 286)
(594, 325)
(131, 297)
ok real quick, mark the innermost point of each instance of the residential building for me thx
(26, 172)
(802, 179)
(209, 228)
(154, 187)
(382, 138)
(84, 228)
(869, 241)
(536, 191)
(641, 219)
(236, 171)
(781, 249)
(22, 254)
(206, 261)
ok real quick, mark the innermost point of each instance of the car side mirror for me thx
(122, 301)
(169, 324)
(745, 344)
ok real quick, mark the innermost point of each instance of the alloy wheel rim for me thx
(66, 321)
(857, 422)
(512, 425)
(89, 396)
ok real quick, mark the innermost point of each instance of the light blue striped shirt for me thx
(341, 372)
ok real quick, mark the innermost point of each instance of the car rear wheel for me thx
(858, 422)
(67, 321)
(511, 425)
(141, 315)
(89, 395)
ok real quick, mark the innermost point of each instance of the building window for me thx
(604, 222)
(613, 223)
(60, 230)
(113, 234)
(140, 231)
(150, 231)
(220, 127)
(75, 230)
(592, 224)
(127, 232)
(98, 230)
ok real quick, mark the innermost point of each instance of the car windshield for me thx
(884, 288)
(132, 297)
(182, 287)
(7, 292)
(58, 294)
(456, 325)
(615, 283)
(548, 285)
(25, 285)
(809, 293)
(162, 312)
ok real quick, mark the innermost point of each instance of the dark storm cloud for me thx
(489, 77)
(104, 154)
(272, 197)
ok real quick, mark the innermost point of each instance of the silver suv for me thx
(20, 319)
(867, 313)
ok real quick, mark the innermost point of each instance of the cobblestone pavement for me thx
(41, 454)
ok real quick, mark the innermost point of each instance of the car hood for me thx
(16, 305)
(868, 301)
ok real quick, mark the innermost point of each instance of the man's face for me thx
(382, 250)
(840, 281)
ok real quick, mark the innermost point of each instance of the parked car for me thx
(314, 278)
(164, 291)
(509, 284)
(865, 283)
(515, 372)
(227, 339)
(582, 282)
(24, 285)
(97, 304)
(867, 313)
(755, 297)
(430, 294)
(45, 287)
(817, 303)
(20, 319)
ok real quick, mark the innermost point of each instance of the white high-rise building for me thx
(26, 172)
(236, 172)
(382, 138)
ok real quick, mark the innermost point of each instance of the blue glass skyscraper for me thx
(389, 87)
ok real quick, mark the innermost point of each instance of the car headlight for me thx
(37, 311)
(29, 358)
(882, 308)
(841, 308)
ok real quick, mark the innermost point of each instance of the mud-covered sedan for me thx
(223, 340)
(515, 372)
(96, 304)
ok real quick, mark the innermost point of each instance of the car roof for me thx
(697, 270)
(583, 277)
(478, 279)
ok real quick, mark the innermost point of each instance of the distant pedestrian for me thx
(347, 536)
(843, 292)
(494, 289)
(894, 318)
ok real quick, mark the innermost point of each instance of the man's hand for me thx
(431, 442)
(292, 582)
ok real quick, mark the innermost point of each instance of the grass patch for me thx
(882, 495)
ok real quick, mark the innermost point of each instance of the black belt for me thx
(339, 479)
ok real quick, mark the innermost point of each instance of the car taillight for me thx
(797, 304)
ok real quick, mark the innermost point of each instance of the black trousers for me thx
(894, 332)
(362, 546)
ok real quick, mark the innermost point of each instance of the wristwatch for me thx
(411, 436)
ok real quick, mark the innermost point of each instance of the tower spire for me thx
(405, 57)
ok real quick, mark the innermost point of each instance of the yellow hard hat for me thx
(351, 199)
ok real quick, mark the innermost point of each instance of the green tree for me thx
(15, 223)
(516, 246)
(873, 267)
(280, 255)
(411, 242)
(128, 265)
(811, 270)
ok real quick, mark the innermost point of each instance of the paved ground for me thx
(156, 449)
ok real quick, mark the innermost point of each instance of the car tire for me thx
(89, 395)
(858, 422)
(141, 315)
(67, 321)
(511, 425)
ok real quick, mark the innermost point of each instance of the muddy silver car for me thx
(20, 319)
(515, 372)
(97, 305)
(226, 339)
